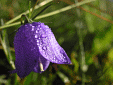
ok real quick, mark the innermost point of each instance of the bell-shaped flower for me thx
(35, 47)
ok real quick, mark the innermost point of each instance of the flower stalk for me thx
(83, 66)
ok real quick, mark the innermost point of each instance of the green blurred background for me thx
(85, 32)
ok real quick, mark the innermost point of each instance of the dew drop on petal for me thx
(64, 57)
(36, 36)
(38, 26)
(33, 28)
(30, 24)
(36, 31)
(54, 58)
(44, 48)
(37, 40)
(46, 26)
(43, 36)
(38, 43)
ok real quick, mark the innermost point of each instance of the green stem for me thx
(63, 9)
(5, 45)
(29, 9)
(19, 16)
(9, 25)
(82, 53)
(45, 15)
(34, 7)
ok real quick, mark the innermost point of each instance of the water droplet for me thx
(64, 57)
(36, 36)
(37, 40)
(30, 24)
(46, 26)
(38, 26)
(38, 43)
(43, 36)
(54, 58)
(33, 29)
(36, 31)
(44, 48)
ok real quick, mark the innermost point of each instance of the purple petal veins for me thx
(35, 47)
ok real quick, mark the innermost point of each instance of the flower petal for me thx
(42, 61)
(49, 48)
(26, 56)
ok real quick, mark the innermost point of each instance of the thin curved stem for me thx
(63, 9)
(41, 12)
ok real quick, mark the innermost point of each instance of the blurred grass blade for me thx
(5, 45)
(29, 9)
(2, 80)
(32, 77)
(63, 9)
(45, 15)
(9, 25)
(63, 77)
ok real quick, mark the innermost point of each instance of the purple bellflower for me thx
(35, 47)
